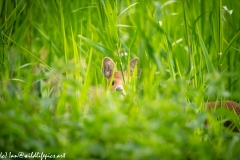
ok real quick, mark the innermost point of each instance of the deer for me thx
(228, 104)
(114, 77)
(115, 82)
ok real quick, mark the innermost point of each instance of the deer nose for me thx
(119, 89)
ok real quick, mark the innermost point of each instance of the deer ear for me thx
(134, 63)
(107, 67)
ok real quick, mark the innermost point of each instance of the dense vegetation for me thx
(52, 91)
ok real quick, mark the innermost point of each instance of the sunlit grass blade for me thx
(97, 46)
(216, 18)
(87, 79)
(47, 38)
(100, 10)
(65, 45)
(79, 9)
(33, 55)
(76, 56)
(129, 7)
(208, 62)
(112, 29)
(12, 14)
(234, 39)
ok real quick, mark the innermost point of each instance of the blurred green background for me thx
(53, 95)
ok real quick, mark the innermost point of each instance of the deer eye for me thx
(112, 83)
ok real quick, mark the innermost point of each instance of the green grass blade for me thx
(12, 14)
(132, 5)
(208, 61)
(234, 39)
(33, 55)
(65, 45)
(98, 47)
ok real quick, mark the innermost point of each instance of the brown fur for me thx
(115, 77)
(116, 82)
(231, 105)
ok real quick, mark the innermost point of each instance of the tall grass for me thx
(53, 96)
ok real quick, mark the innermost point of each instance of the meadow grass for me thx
(53, 96)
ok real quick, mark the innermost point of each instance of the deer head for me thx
(115, 77)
